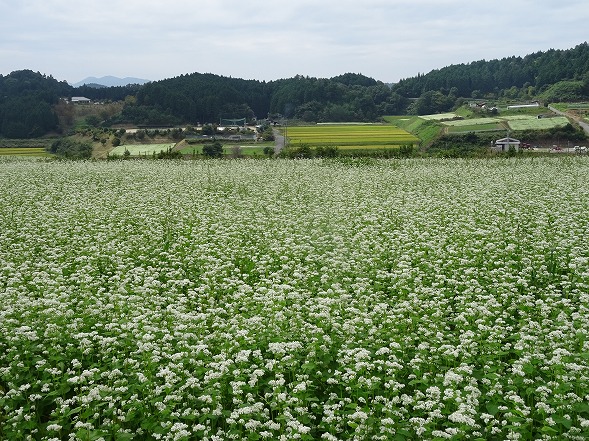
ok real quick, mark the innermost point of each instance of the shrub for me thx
(214, 150)
(68, 148)
(328, 151)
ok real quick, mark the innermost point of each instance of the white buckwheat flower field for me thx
(295, 300)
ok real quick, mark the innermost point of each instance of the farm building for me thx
(81, 100)
(503, 144)
(524, 106)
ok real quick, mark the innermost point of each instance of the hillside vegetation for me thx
(512, 76)
(30, 104)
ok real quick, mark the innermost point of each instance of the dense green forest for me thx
(535, 73)
(26, 104)
(30, 103)
(208, 98)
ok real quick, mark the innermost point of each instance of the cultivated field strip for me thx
(24, 151)
(538, 124)
(342, 135)
(141, 149)
(515, 122)
(282, 300)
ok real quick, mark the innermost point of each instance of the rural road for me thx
(583, 125)
(278, 140)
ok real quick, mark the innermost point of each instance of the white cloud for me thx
(388, 40)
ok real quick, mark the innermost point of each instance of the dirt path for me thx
(278, 141)
(578, 120)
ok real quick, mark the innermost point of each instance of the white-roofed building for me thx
(503, 144)
(81, 100)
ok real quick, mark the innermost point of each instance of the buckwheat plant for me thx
(294, 300)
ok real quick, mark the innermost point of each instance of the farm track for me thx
(278, 140)
(578, 120)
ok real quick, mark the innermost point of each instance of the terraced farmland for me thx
(533, 123)
(513, 122)
(474, 125)
(488, 127)
(24, 151)
(349, 135)
(472, 122)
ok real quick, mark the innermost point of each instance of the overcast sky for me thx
(272, 39)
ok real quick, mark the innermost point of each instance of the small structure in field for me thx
(524, 106)
(504, 144)
(81, 100)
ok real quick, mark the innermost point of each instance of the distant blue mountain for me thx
(109, 81)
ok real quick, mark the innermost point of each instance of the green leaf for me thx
(90, 435)
(73, 411)
(528, 368)
(548, 430)
(492, 408)
(561, 420)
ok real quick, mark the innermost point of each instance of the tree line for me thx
(202, 98)
(534, 73)
(30, 102)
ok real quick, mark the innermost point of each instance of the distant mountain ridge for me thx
(109, 81)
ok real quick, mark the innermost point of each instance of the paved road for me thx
(581, 123)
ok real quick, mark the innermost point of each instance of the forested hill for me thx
(539, 70)
(207, 98)
(26, 103)
(29, 101)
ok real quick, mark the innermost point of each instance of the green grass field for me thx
(425, 130)
(439, 116)
(575, 106)
(488, 127)
(515, 122)
(533, 123)
(471, 122)
(244, 150)
(141, 149)
(342, 135)
(229, 149)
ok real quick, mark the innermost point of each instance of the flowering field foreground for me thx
(284, 300)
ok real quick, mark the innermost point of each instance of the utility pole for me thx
(285, 132)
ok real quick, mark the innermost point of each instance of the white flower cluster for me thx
(229, 300)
